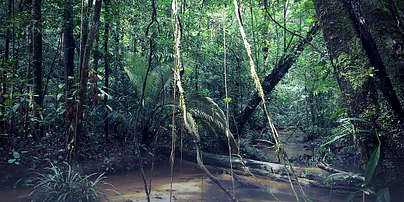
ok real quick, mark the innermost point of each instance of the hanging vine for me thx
(281, 153)
(189, 122)
(147, 186)
(227, 100)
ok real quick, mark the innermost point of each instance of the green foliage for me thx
(308, 97)
(308, 4)
(158, 77)
(64, 185)
(16, 158)
(371, 165)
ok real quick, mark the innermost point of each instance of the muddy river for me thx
(190, 184)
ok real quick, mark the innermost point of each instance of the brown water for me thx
(190, 184)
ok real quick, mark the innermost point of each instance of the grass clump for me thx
(65, 184)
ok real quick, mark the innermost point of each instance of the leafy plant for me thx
(16, 158)
(372, 163)
(61, 185)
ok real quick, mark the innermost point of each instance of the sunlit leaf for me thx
(309, 20)
(335, 138)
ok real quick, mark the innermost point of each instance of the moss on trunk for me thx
(363, 97)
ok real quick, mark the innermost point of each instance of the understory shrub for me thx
(65, 184)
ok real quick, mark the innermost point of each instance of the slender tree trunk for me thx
(94, 85)
(84, 73)
(68, 64)
(364, 94)
(276, 75)
(285, 9)
(106, 66)
(84, 32)
(37, 64)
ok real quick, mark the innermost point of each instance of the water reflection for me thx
(190, 184)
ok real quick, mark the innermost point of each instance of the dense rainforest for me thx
(230, 99)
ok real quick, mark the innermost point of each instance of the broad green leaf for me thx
(227, 100)
(371, 166)
(11, 160)
(16, 155)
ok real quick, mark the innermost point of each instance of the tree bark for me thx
(385, 24)
(362, 91)
(37, 64)
(84, 32)
(106, 66)
(5, 65)
(382, 81)
(84, 72)
(276, 75)
(68, 64)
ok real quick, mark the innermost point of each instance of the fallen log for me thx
(306, 176)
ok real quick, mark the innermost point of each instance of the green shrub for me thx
(65, 185)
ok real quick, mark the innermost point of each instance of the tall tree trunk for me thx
(106, 66)
(364, 96)
(385, 24)
(68, 64)
(84, 73)
(94, 84)
(37, 65)
(5, 65)
(7, 44)
(276, 75)
(84, 31)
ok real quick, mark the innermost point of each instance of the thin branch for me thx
(295, 34)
